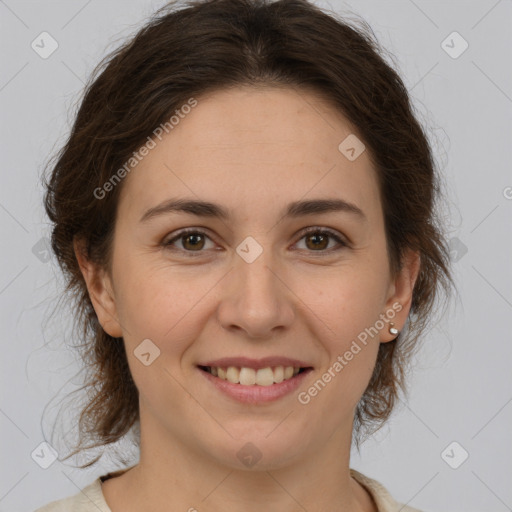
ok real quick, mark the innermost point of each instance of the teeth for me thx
(265, 377)
(278, 374)
(247, 376)
(288, 372)
(250, 377)
(233, 375)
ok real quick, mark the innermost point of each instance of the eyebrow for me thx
(212, 210)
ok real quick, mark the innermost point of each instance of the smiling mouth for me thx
(250, 377)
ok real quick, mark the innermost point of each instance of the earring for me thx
(393, 330)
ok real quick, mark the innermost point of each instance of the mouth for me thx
(255, 381)
(246, 376)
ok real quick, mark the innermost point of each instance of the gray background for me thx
(461, 387)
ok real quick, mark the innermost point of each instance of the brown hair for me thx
(203, 46)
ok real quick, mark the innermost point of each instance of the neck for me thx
(172, 475)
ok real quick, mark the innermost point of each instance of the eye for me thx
(192, 241)
(317, 239)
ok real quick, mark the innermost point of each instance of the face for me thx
(280, 280)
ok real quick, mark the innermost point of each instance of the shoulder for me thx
(381, 496)
(89, 499)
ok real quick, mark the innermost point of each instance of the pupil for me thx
(317, 237)
(193, 237)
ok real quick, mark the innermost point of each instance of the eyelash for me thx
(312, 230)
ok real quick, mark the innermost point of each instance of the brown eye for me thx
(318, 241)
(191, 241)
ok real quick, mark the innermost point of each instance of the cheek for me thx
(351, 346)
(167, 317)
(351, 307)
(353, 301)
(160, 304)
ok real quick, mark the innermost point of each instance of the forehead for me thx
(253, 148)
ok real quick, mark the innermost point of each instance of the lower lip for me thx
(256, 394)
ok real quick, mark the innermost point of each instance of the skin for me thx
(253, 151)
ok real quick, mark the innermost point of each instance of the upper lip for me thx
(256, 364)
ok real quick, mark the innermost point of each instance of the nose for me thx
(256, 299)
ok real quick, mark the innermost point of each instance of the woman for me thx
(244, 211)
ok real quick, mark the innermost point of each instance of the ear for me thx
(400, 293)
(100, 290)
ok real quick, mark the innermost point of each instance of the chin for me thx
(260, 451)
